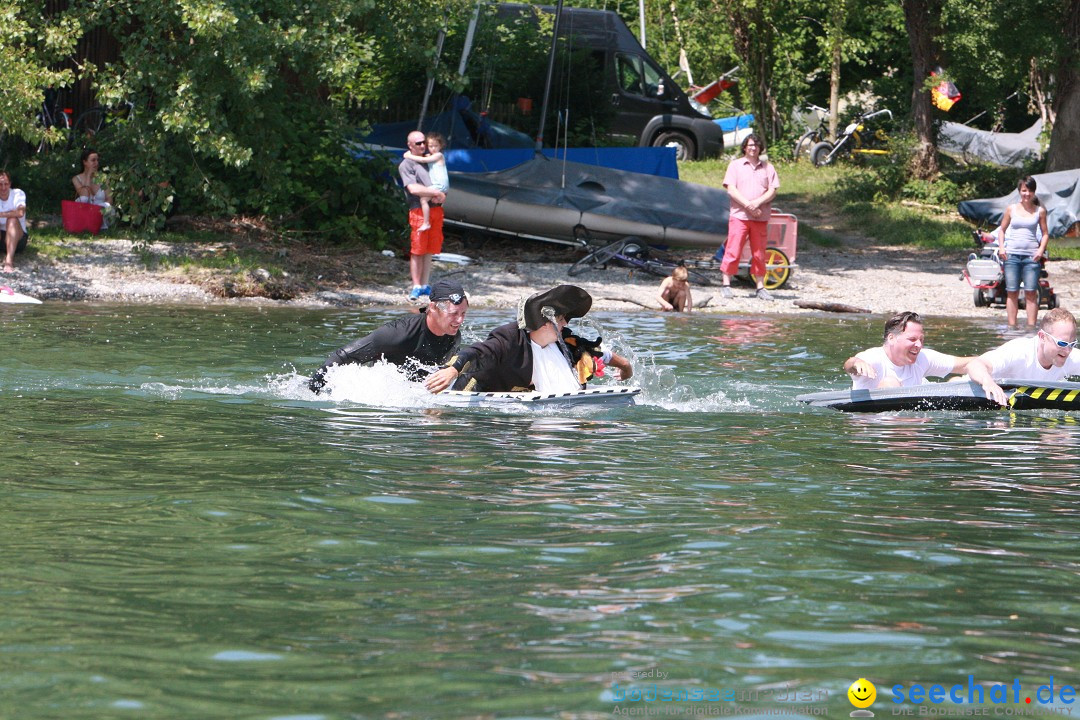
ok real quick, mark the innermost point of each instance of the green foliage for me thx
(30, 44)
(239, 107)
(245, 106)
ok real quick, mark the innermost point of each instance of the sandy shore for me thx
(855, 273)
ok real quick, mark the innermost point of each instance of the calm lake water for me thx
(189, 534)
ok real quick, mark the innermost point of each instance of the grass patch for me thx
(232, 260)
(857, 200)
(895, 224)
(808, 233)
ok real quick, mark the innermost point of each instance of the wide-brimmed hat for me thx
(570, 301)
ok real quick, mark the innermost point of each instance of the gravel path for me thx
(879, 279)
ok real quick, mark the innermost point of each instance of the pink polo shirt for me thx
(752, 182)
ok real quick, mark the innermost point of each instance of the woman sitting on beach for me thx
(89, 191)
(674, 292)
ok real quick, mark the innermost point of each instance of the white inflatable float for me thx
(7, 295)
(606, 397)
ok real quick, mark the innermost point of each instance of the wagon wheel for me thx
(777, 268)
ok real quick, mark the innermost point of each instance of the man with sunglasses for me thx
(422, 243)
(415, 343)
(1049, 355)
(901, 361)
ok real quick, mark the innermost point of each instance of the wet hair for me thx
(898, 322)
(680, 273)
(1055, 316)
(436, 137)
(87, 153)
(757, 141)
(1029, 182)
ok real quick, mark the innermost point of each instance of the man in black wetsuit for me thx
(429, 338)
(537, 352)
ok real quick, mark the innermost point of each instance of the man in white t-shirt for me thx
(901, 361)
(1049, 355)
(13, 235)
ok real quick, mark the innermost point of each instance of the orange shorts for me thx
(430, 241)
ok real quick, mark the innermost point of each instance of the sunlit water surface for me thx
(188, 533)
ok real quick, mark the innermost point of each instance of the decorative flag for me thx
(945, 94)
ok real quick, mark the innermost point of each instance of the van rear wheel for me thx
(683, 144)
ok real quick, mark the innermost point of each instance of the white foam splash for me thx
(379, 385)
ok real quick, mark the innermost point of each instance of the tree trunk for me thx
(754, 41)
(836, 40)
(1064, 151)
(921, 17)
(1040, 102)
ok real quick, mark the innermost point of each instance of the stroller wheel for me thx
(980, 299)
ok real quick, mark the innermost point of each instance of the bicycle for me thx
(853, 141)
(812, 136)
(50, 115)
(634, 253)
(93, 121)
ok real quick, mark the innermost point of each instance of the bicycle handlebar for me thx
(878, 112)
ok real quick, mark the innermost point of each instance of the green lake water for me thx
(187, 533)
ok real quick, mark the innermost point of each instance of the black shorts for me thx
(22, 241)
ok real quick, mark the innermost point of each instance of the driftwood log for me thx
(632, 301)
(829, 306)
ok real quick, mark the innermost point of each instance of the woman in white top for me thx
(87, 190)
(1022, 249)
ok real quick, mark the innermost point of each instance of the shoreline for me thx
(854, 273)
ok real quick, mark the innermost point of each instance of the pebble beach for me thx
(851, 273)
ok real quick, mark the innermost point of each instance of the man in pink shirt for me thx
(751, 182)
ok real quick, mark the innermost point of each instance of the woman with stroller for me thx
(1023, 247)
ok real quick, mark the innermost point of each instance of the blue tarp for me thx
(659, 161)
(736, 122)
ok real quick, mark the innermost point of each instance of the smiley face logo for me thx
(862, 693)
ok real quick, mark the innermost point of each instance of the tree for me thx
(922, 18)
(31, 44)
(242, 106)
(1064, 151)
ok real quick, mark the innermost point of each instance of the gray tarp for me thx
(1059, 192)
(549, 197)
(1009, 149)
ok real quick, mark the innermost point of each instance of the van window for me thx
(637, 77)
(628, 70)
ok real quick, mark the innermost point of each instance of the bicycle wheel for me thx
(598, 257)
(802, 146)
(698, 278)
(777, 268)
(87, 126)
(819, 154)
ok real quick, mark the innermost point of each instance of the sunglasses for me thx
(455, 298)
(419, 142)
(1060, 343)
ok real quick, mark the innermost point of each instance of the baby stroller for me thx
(985, 272)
